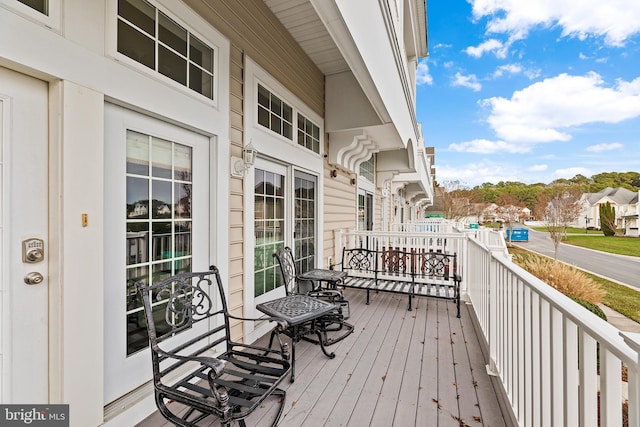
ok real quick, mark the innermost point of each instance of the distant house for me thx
(625, 203)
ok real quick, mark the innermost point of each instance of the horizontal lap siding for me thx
(339, 207)
(253, 30)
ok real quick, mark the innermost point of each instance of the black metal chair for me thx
(331, 327)
(209, 373)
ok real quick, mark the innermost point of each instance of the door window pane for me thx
(269, 220)
(159, 225)
(305, 224)
(41, 6)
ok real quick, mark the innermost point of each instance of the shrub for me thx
(564, 278)
(591, 307)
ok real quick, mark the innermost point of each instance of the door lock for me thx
(32, 250)
(33, 278)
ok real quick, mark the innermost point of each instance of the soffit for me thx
(301, 20)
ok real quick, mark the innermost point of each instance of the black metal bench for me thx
(206, 371)
(413, 272)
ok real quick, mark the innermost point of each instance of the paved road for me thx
(623, 269)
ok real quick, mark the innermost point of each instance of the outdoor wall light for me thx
(240, 165)
(334, 173)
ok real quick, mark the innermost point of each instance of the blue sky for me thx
(531, 91)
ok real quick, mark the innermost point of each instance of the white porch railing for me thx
(558, 363)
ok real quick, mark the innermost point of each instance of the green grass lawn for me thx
(596, 240)
(615, 245)
(620, 298)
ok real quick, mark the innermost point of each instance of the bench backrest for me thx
(360, 262)
(399, 263)
(432, 266)
(184, 305)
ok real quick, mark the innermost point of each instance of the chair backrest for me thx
(184, 304)
(288, 269)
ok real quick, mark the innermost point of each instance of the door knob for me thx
(33, 278)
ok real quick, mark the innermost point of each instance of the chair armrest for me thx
(281, 324)
(216, 365)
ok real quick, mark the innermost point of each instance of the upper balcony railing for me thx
(558, 363)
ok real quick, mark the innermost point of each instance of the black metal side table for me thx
(301, 313)
(332, 277)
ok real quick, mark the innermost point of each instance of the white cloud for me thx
(537, 168)
(485, 146)
(547, 110)
(470, 81)
(571, 172)
(492, 45)
(422, 74)
(473, 174)
(598, 148)
(507, 69)
(615, 20)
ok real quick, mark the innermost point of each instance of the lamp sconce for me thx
(353, 181)
(334, 173)
(240, 165)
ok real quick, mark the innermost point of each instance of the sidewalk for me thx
(620, 321)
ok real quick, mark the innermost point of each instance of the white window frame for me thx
(53, 20)
(190, 21)
(275, 148)
(264, 139)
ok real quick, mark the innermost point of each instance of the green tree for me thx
(608, 219)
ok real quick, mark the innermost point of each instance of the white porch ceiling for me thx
(305, 26)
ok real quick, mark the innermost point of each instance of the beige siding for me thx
(377, 210)
(236, 199)
(340, 198)
(253, 28)
(255, 32)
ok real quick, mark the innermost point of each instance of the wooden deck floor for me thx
(399, 368)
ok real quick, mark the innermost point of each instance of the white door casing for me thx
(123, 373)
(24, 213)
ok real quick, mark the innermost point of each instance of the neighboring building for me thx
(631, 217)
(625, 203)
(124, 130)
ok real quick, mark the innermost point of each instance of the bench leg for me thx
(367, 296)
(410, 309)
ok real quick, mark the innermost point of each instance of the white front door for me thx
(23, 218)
(157, 191)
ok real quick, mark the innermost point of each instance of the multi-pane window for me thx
(274, 113)
(150, 37)
(158, 221)
(41, 6)
(308, 134)
(269, 217)
(367, 169)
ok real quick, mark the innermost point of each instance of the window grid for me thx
(274, 113)
(158, 221)
(367, 169)
(308, 134)
(305, 213)
(153, 39)
(269, 218)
